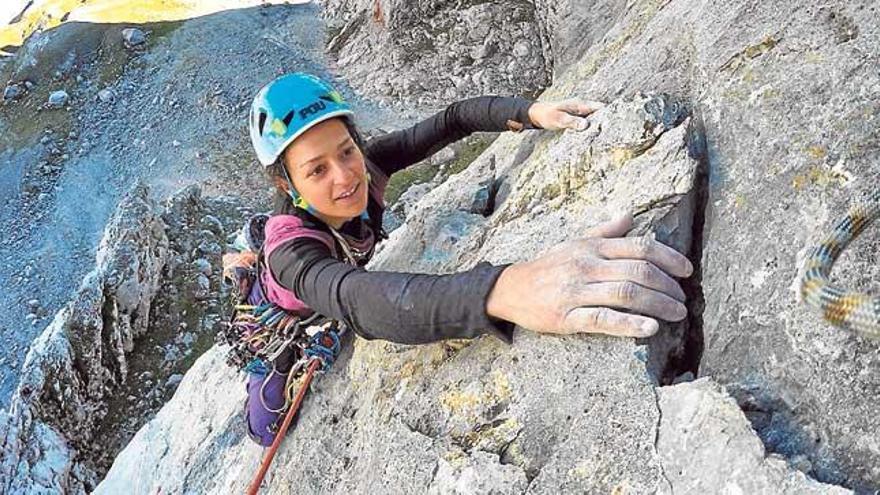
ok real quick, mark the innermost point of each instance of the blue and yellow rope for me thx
(850, 310)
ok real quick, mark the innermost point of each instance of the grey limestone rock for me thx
(203, 287)
(213, 224)
(424, 51)
(12, 92)
(58, 99)
(82, 355)
(133, 37)
(705, 443)
(107, 95)
(203, 266)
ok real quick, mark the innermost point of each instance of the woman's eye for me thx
(348, 151)
(317, 170)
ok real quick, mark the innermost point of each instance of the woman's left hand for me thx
(568, 114)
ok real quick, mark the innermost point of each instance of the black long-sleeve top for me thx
(407, 308)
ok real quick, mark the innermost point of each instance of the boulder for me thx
(58, 99)
(706, 442)
(12, 92)
(133, 37)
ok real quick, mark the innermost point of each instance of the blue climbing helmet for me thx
(283, 110)
(287, 107)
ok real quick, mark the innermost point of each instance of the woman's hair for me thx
(276, 170)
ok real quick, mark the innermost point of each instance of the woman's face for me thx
(328, 170)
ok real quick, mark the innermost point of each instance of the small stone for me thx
(203, 289)
(58, 99)
(687, 376)
(175, 143)
(213, 224)
(210, 248)
(12, 92)
(444, 156)
(173, 381)
(33, 304)
(133, 36)
(802, 463)
(203, 266)
(106, 95)
(480, 203)
(45, 140)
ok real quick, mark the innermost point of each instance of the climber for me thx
(328, 217)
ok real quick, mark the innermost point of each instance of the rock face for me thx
(81, 357)
(706, 443)
(547, 415)
(636, 155)
(391, 49)
(788, 99)
(569, 28)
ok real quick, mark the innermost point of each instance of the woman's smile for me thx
(349, 195)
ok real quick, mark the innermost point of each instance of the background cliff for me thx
(736, 131)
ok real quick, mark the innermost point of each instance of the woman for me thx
(328, 216)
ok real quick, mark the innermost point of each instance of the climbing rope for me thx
(288, 418)
(263, 336)
(850, 310)
(317, 356)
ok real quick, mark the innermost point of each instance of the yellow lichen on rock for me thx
(468, 404)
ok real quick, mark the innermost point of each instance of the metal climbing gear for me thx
(316, 358)
(262, 334)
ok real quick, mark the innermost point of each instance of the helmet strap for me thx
(298, 201)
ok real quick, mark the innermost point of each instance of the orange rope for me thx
(267, 460)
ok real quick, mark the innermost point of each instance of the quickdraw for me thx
(259, 332)
(316, 357)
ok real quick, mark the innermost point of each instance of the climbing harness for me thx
(850, 310)
(263, 336)
(317, 357)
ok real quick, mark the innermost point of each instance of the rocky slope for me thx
(168, 106)
(736, 132)
(117, 351)
(81, 356)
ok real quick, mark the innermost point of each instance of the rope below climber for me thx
(288, 418)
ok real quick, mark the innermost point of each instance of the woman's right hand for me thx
(574, 286)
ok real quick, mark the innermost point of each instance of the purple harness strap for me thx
(281, 229)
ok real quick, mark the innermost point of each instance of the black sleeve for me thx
(406, 308)
(399, 149)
